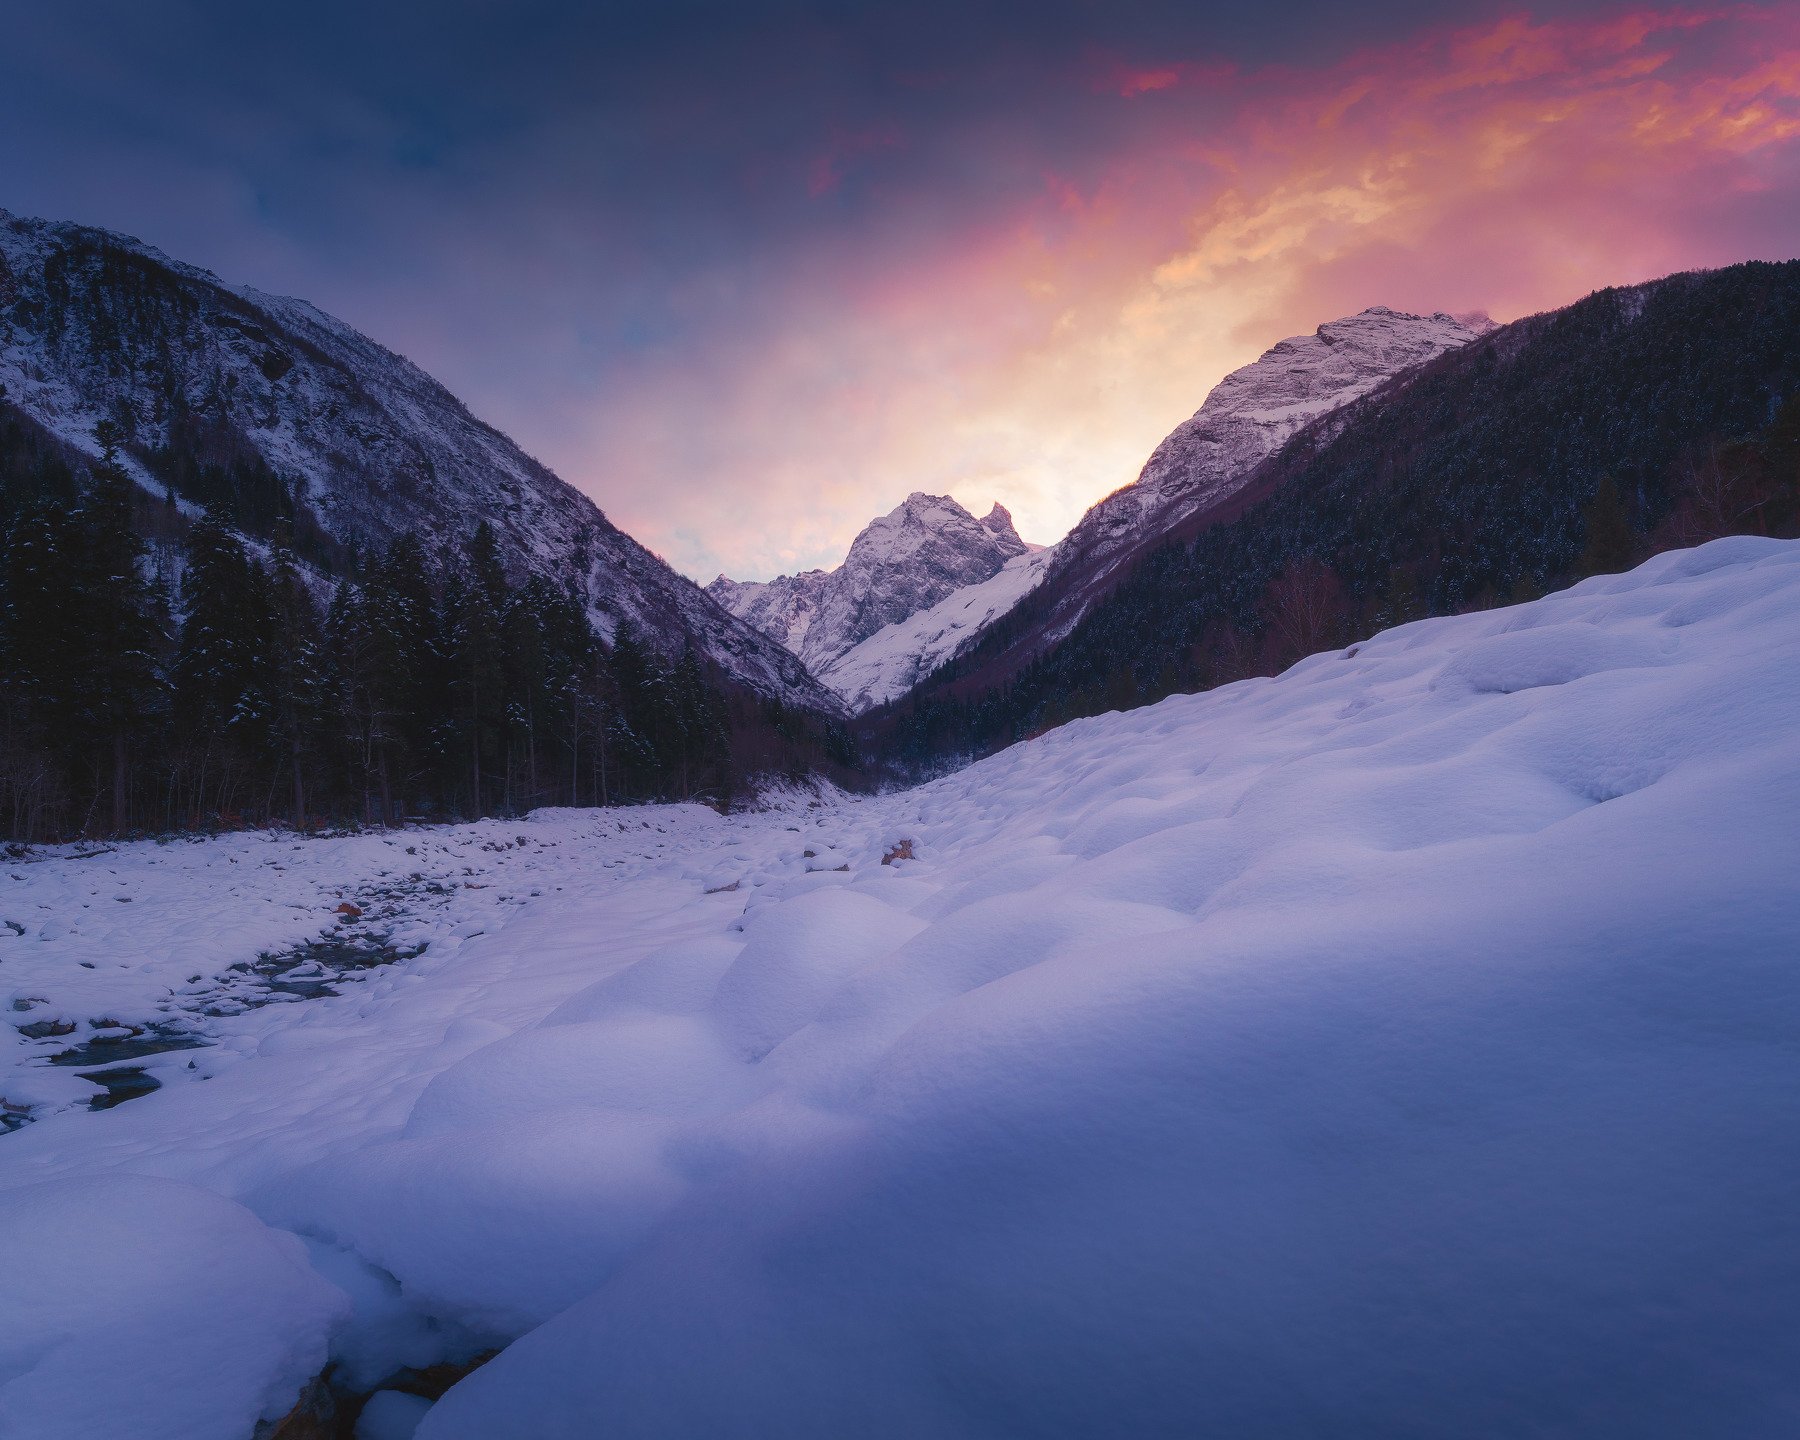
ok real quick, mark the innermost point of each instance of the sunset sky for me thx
(749, 274)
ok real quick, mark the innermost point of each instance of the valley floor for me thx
(1407, 1045)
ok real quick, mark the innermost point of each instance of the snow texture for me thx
(152, 1308)
(1405, 1045)
(95, 325)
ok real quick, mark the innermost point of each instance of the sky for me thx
(748, 274)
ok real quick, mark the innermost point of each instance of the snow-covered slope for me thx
(782, 608)
(903, 562)
(1251, 413)
(100, 326)
(1406, 1045)
(895, 658)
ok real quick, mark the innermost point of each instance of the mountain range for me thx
(923, 551)
(224, 395)
(1562, 445)
(1385, 466)
(924, 582)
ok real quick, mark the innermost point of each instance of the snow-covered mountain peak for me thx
(903, 562)
(895, 609)
(1302, 377)
(1256, 409)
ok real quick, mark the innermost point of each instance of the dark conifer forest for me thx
(162, 673)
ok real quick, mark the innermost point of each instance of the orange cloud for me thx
(1142, 82)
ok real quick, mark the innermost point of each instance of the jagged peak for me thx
(75, 230)
(998, 522)
(920, 504)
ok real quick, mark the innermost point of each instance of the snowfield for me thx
(1405, 1046)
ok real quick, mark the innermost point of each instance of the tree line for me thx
(239, 687)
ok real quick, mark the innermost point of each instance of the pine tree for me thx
(296, 679)
(1611, 542)
(120, 689)
(702, 749)
(642, 723)
(222, 707)
(476, 603)
(406, 613)
(40, 657)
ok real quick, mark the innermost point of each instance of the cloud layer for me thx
(749, 280)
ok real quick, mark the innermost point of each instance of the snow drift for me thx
(1407, 1045)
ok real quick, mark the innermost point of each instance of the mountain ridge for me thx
(900, 563)
(1561, 445)
(215, 386)
(1247, 415)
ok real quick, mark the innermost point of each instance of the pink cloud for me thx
(1142, 82)
(1037, 357)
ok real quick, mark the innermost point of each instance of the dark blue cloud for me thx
(532, 198)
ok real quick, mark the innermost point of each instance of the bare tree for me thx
(1305, 608)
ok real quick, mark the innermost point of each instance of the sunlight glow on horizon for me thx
(1508, 168)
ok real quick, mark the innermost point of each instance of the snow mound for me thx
(148, 1307)
(1405, 1045)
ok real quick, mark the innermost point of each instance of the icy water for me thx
(308, 971)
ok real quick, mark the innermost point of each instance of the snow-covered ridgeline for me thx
(1255, 410)
(895, 658)
(921, 551)
(1403, 1044)
(97, 326)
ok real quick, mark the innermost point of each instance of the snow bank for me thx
(154, 1309)
(1402, 1046)
(1405, 1045)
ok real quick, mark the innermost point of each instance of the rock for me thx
(433, 1380)
(349, 911)
(47, 1029)
(314, 1416)
(902, 851)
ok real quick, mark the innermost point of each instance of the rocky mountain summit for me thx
(920, 552)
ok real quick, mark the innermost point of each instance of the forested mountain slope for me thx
(266, 411)
(1563, 445)
(253, 566)
(1247, 416)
